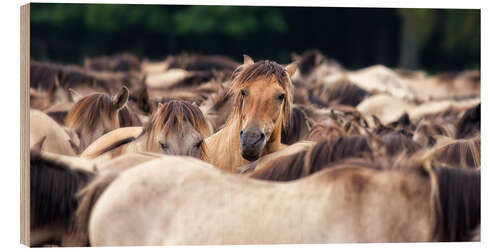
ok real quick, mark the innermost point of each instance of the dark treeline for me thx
(429, 39)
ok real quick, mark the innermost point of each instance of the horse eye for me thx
(281, 96)
(163, 145)
(243, 93)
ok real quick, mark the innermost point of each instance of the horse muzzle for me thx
(251, 143)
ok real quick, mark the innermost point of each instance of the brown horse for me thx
(345, 204)
(177, 128)
(99, 113)
(263, 102)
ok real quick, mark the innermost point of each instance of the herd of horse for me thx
(201, 149)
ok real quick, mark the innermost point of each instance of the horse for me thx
(58, 139)
(52, 204)
(387, 108)
(177, 128)
(99, 113)
(469, 124)
(344, 204)
(463, 153)
(313, 159)
(262, 107)
(340, 91)
(117, 63)
(427, 132)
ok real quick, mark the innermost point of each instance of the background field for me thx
(429, 39)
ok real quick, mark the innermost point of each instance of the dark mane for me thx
(459, 203)
(470, 123)
(322, 154)
(310, 59)
(116, 63)
(43, 74)
(298, 129)
(203, 63)
(128, 118)
(343, 92)
(396, 143)
(52, 191)
(322, 131)
(90, 110)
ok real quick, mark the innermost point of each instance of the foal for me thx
(263, 102)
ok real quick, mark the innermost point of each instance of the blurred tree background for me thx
(429, 39)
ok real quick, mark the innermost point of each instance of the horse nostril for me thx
(261, 135)
(241, 132)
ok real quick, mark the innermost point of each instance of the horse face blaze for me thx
(261, 113)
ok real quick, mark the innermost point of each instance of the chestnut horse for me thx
(343, 204)
(176, 128)
(263, 102)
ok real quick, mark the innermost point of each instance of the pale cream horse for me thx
(183, 201)
(58, 139)
(262, 93)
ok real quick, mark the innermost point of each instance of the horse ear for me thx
(143, 101)
(247, 60)
(378, 123)
(160, 105)
(120, 99)
(291, 68)
(75, 96)
(37, 147)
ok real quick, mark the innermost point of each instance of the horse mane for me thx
(463, 153)
(310, 59)
(128, 118)
(194, 79)
(343, 92)
(262, 69)
(43, 74)
(470, 123)
(89, 110)
(320, 131)
(171, 115)
(397, 142)
(430, 130)
(53, 186)
(458, 204)
(299, 123)
(291, 167)
(196, 62)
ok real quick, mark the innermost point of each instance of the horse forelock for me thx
(268, 70)
(172, 116)
(90, 110)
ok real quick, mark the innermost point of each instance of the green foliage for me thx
(227, 20)
(422, 22)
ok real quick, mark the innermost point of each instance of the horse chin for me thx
(250, 156)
